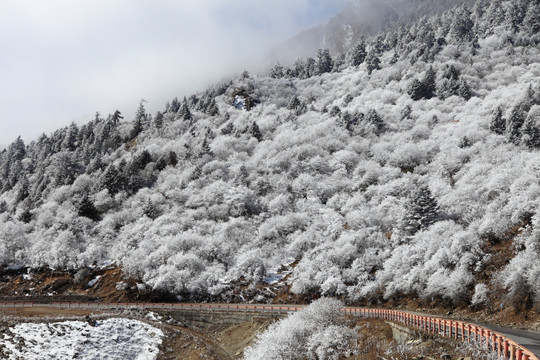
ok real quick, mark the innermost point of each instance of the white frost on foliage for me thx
(315, 332)
(109, 339)
(480, 295)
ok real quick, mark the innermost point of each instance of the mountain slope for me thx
(360, 18)
(408, 170)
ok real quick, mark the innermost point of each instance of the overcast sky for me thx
(63, 60)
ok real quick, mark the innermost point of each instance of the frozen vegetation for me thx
(315, 332)
(396, 168)
(110, 339)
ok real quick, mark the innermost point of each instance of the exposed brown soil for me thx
(185, 343)
(46, 285)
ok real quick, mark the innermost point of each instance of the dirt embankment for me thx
(110, 284)
(107, 284)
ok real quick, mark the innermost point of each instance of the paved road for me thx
(529, 339)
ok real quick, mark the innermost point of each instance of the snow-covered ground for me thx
(115, 338)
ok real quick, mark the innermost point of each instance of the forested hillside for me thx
(407, 166)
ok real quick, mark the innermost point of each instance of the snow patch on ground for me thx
(94, 281)
(109, 339)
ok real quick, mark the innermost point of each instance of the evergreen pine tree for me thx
(112, 180)
(372, 63)
(143, 159)
(172, 158)
(310, 67)
(116, 117)
(462, 25)
(296, 105)
(158, 120)
(242, 177)
(256, 132)
(531, 130)
(514, 124)
(417, 90)
(185, 113)
(205, 148)
(429, 82)
(498, 123)
(531, 20)
(174, 106)
(150, 210)
(23, 191)
(358, 54)
(277, 71)
(227, 129)
(87, 209)
(376, 122)
(3, 206)
(324, 62)
(463, 89)
(26, 216)
(141, 115)
(136, 129)
(422, 211)
(213, 109)
(71, 133)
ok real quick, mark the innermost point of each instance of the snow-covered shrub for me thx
(480, 295)
(315, 332)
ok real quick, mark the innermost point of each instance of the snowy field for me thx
(108, 339)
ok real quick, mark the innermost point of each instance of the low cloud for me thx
(64, 60)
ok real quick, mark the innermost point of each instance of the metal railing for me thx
(459, 330)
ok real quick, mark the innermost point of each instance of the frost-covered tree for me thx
(277, 71)
(421, 210)
(323, 62)
(87, 208)
(498, 122)
(417, 90)
(462, 25)
(464, 89)
(514, 123)
(315, 332)
(184, 112)
(150, 209)
(531, 20)
(531, 128)
(358, 54)
(372, 62)
(256, 132)
(158, 120)
(375, 122)
(116, 117)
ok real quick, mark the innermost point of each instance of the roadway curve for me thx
(520, 344)
(529, 339)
